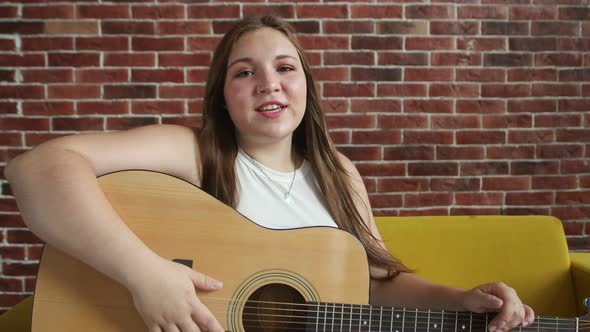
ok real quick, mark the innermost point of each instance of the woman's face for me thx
(265, 87)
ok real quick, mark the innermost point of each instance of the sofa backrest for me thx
(529, 253)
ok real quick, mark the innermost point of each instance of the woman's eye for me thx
(285, 68)
(245, 73)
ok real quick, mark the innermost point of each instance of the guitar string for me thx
(413, 312)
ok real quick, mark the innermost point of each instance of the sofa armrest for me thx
(580, 269)
(18, 319)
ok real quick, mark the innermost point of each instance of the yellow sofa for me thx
(527, 252)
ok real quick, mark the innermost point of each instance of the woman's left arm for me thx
(411, 291)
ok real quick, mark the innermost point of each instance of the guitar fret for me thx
(342, 318)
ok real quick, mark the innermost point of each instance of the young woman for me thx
(263, 142)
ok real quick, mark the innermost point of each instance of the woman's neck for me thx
(280, 156)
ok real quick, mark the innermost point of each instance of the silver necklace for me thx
(286, 195)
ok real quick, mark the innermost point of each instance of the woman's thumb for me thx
(204, 282)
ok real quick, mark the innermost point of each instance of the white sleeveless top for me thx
(261, 201)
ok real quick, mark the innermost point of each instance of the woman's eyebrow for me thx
(246, 59)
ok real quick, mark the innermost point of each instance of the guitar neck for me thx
(322, 316)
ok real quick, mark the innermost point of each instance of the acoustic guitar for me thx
(309, 279)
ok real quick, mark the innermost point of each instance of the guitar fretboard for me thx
(322, 316)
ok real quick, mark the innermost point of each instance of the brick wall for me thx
(447, 108)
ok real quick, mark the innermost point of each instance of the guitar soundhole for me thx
(274, 307)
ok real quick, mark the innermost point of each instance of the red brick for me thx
(525, 211)
(475, 199)
(22, 27)
(481, 75)
(7, 204)
(508, 60)
(183, 27)
(11, 139)
(375, 105)
(484, 168)
(402, 121)
(322, 11)
(554, 28)
(349, 90)
(158, 11)
(429, 43)
(73, 91)
(127, 28)
(456, 59)
(183, 59)
(575, 166)
(48, 11)
(27, 60)
(573, 198)
(545, 90)
(429, 11)
(70, 27)
(504, 28)
(381, 169)
(573, 135)
(130, 122)
(573, 44)
(459, 152)
(537, 44)
(455, 122)
(349, 58)
(481, 137)
(455, 184)
(454, 28)
(424, 212)
(584, 181)
(573, 228)
(534, 167)
(558, 121)
(34, 253)
(24, 124)
(554, 182)
(8, 12)
(423, 74)
(351, 121)
(129, 91)
(574, 105)
(181, 91)
(102, 107)
(506, 183)
(130, 59)
(405, 28)
(7, 45)
(530, 136)
(10, 300)
(102, 43)
(101, 75)
(331, 74)
(428, 106)
(481, 44)
(339, 27)
(568, 75)
(570, 212)
(482, 12)
(376, 137)
(416, 152)
(574, 13)
(158, 107)
(376, 74)
(510, 152)
(403, 59)
(505, 90)
(508, 121)
(428, 137)
(78, 124)
(533, 13)
(103, 11)
(428, 199)
(454, 90)
(19, 269)
(74, 59)
(11, 285)
(433, 169)
(527, 75)
(558, 59)
(157, 75)
(47, 75)
(334, 105)
(402, 184)
(11, 220)
(480, 106)
(157, 44)
(474, 211)
(202, 43)
(213, 11)
(376, 11)
(375, 43)
(361, 152)
(48, 108)
(47, 43)
(21, 237)
(8, 108)
(324, 42)
(401, 90)
(560, 151)
(532, 106)
(385, 200)
(21, 92)
(340, 136)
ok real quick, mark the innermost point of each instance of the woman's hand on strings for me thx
(166, 298)
(503, 299)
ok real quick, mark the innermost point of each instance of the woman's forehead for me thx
(263, 42)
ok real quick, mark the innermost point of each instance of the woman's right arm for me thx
(61, 202)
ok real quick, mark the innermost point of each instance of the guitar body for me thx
(179, 221)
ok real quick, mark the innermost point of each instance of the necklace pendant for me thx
(288, 199)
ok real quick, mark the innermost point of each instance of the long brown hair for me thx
(219, 147)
